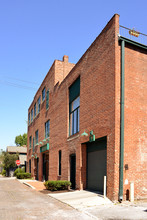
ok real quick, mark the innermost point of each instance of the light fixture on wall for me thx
(84, 134)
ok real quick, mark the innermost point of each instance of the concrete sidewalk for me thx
(80, 199)
(34, 184)
(94, 205)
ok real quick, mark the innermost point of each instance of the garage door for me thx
(96, 164)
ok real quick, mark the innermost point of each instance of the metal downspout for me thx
(122, 123)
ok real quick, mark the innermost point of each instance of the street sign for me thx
(18, 162)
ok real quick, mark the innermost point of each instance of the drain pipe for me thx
(122, 123)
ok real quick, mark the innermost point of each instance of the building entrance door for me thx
(45, 166)
(73, 171)
(37, 169)
(96, 164)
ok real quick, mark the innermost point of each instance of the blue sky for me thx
(33, 33)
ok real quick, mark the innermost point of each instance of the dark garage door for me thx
(96, 164)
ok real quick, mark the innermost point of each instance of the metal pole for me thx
(122, 122)
(132, 191)
(105, 186)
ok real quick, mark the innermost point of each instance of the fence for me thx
(133, 35)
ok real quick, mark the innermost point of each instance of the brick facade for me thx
(100, 75)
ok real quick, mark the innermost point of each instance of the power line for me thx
(17, 85)
(21, 80)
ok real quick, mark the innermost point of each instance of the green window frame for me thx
(74, 107)
(29, 118)
(34, 110)
(47, 129)
(74, 113)
(36, 137)
(47, 99)
(43, 94)
(30, 142)
(60, 155)
(31, 114)
(38, 104)
(33, 144)
(29, 166)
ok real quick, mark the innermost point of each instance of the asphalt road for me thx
(19, 202)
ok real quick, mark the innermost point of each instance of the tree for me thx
(9, 161)
(21, 140)
(1, 158)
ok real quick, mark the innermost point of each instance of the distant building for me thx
(21, 151)
(1, 168)
(88, 120)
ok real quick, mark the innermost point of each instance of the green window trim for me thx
(30, 142)
(44, 148)
(74, 90)
(33, 144)
(47, 129)
(60, 155)
(29, 118)
(32, 115)
(36, 137)
(38, 104)
(47, 99)
(43, 94)
(74, 109)
(34, 110)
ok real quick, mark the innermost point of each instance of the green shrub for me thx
(23, 175)
(57, 185)
(3, 172)
(18, 170)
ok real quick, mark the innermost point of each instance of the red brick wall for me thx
(99, 71)
(135, 145)
(97, 109)
(56, 74)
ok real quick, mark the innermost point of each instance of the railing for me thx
(133, 35)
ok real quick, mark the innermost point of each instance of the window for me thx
(35, 110)
(38, 104)
(29, 118)
(43, 94)
(47, 129)
(74, 107)
(47, 99)
(30, 142)
(33, 144)
(29, 166)
(74, 116)
(36, 137)
(32, 115)
(59, 162)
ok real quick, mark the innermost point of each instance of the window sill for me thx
(43, 101)
(59, 177)
(72, 137)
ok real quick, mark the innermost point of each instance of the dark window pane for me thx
(59, 162)
(47, 129)
(43, 94)
(35, 110)
(75, 122)
(47, 99)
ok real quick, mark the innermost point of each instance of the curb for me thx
(79, 210)
(27, 184)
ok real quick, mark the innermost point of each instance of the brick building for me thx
(88, 120)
